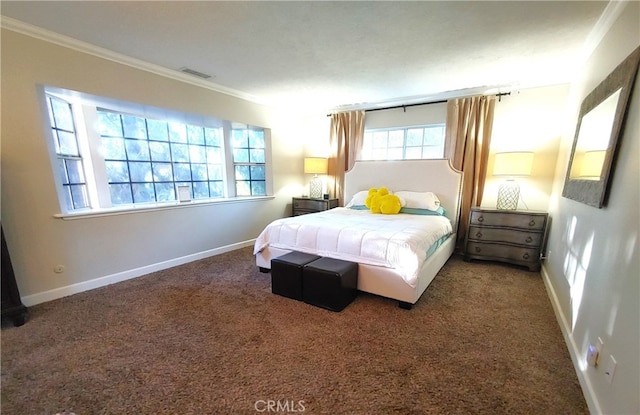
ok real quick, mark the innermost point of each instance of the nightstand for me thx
(513, 236)
(304, 205)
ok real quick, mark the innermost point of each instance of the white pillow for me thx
(358, 199)
(419, 200)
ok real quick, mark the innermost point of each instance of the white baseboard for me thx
(574, 352)
(42, 297)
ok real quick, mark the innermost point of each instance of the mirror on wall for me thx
(593, 140)
(599, 125)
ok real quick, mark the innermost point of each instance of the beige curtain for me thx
(468, 132)
(347, 134)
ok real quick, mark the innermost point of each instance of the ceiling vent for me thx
(195, 73)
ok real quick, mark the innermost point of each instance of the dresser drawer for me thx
(487, 234)
(513, 220)
(504, 252)
(515, 236)
(309, 204)
(302, 206)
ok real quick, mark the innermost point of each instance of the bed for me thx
(386, 270)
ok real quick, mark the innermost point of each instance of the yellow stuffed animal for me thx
(380, 201)
(390, 205)
(373, 199)
(372, 192)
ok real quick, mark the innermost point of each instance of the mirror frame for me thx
(594, 192)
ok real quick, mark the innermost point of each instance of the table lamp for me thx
(315, 166)
(513, 164)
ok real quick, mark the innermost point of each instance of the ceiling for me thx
(315, 55)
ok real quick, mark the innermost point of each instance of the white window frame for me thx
(249, 163)
(85, 107)
(368, 149)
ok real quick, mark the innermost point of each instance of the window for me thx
(132, 159)
(69, 160)
(249, 161)
(146, 159)
(420, 142)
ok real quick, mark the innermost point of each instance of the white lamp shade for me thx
(315, 165)
(513, 164)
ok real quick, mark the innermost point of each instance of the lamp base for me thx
(315, 188)
(508, 195)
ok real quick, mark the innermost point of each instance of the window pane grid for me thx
(149, 158)
(421, 142)
(141, 160)
(70, 164)
(248, 151)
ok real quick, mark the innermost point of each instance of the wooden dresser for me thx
(304, 205)
(513, 236)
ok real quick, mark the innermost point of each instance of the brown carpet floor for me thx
(209, 337)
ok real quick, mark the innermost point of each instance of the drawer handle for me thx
(529, 240)
(481, 219)
(532, 223)
(478, 249)
(525, 256)
(479, 235)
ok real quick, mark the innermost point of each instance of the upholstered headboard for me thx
(437, 176)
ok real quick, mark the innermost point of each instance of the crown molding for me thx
(90, 49)
(605, 22)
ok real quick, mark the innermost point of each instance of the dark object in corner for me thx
(404, 305)
(12, 307)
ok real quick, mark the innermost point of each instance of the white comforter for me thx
(395, 241)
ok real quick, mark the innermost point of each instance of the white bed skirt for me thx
(384, 281)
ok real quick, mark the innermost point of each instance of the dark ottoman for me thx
(330, 283)
(286, 273)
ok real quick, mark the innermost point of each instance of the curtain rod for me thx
(501, 94)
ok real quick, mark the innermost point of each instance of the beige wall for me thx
(403, 117)
(121, 246)
(528, 120)
(592, 269)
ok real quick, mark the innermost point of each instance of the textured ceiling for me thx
(328, 55)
